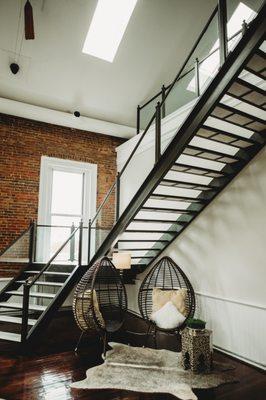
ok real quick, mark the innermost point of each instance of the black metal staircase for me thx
(224, 130)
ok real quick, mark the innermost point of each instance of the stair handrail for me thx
(168, 89)
(47, 265)
(29, 283)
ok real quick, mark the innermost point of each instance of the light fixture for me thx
(107, 28)
(122, 260)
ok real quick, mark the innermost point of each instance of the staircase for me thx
(222, 133)
(31, 299)
(224, 130)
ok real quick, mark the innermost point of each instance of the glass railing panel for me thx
(18, 250)
(138, 167)
(104, 220)
(50, 238)
(208, 69)
(182, 93)
(207, 44)
(148, 111)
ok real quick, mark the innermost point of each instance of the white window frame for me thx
(48, 165)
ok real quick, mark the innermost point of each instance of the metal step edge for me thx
(33, 294)
(16, 320)
(59, 284)
(10, 336)
(19, 306)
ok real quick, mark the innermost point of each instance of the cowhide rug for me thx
(146, 370)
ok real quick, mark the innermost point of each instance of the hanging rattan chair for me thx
(100, 301)
(165, 275)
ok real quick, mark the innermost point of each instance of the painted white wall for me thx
(223, 254)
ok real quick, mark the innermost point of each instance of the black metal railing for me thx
(31, 281)
(220, 12)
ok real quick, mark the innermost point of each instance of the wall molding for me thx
(241, 358)
(226, 299)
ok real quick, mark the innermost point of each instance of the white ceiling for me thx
(55, 74)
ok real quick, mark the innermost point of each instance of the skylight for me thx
(211, 64)
(107, 28)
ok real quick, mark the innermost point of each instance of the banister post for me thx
(163, 101)
(117, 197)
(72, 244)
(222, 27)
(89, 241)
(32, 235)
(138, 119)
(25, 312)
(197, 82)
(244, 27)
(80, 243)
(158, 132)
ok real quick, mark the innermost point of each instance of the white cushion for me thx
(168, 317)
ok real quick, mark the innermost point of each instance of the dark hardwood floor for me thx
(48, 377)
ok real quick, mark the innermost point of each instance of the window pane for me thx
(67, 193)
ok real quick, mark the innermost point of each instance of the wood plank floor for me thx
(48, 377)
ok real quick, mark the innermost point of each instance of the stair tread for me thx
(178, 198)
(49, 273)
(219, 154)
(169, 210)
(251, 140)
(159, 221)
(32, 294)
(239, 112)
(42, 283)
(187, 185)
(143, 240)
(16, 320)
(35, 307)
(13, 337)
(250, 86)
(222, 172)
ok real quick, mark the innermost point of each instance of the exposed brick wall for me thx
(22, 143)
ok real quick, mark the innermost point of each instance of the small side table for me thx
(197, 349)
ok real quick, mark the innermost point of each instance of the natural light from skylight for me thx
(211, 64)
(107, 28)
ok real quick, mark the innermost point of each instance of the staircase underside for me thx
(223, 132)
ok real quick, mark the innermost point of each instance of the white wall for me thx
(223, 254)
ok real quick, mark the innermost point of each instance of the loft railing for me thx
(38, 242)
(191, 68)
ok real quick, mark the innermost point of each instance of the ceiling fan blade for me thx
(29, 25)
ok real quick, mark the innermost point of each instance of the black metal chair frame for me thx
(104, 280)
(166, 275)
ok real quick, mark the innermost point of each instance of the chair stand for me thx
(78, 342)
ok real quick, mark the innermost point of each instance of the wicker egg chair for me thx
(165, 275)
(100, 301)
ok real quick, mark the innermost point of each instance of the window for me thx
(107, 28)
(67, 196)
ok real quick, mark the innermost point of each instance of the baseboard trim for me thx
(245, 360)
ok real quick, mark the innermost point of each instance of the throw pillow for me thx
(178, 297)
(168, 317)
